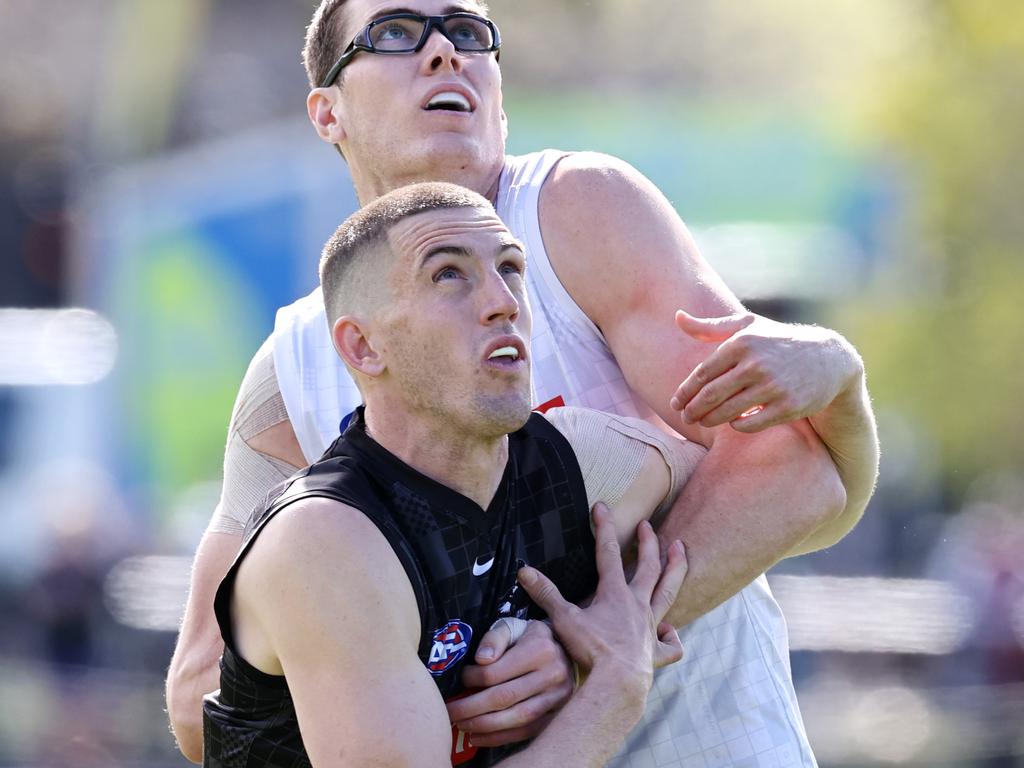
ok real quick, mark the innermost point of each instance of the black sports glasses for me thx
(399, 33)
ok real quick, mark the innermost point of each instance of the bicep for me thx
(380, 708)
(344, 628)
(628, 260)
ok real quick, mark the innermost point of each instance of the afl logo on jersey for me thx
(451, 642)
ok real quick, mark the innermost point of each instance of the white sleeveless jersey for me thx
(730, 701)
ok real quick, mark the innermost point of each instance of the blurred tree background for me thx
(942, 332)
(856, 163)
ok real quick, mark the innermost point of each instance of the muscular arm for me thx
(194, 672)
(760, 375)
(361, 693)
(629, 262)
(633, 468)
(261, 451)
(847, 427)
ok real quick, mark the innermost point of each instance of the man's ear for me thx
(325, 113)
(353, 344)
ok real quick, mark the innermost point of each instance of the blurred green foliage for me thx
(943, 336)
(192, 337)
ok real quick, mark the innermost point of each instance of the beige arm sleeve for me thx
(249, 474)
(610, 450)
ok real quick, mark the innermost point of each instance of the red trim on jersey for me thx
(462, 750)
(554, 402)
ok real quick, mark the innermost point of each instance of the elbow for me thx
(834, 498)
(800, 457)
(190, 741)
(821, 519)
(834, 506)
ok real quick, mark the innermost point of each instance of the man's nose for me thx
(439, 53)
(498, 302)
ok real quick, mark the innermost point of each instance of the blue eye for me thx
(389, 34)
(467, 32)
(448, 273)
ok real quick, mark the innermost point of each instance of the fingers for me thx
(757, 421)
(714, 368)
(543, 592)
(504, 696)
(537, 651)
(672, 577)
(512, 735)
(503, 633)
(608, 553)
(669, 648)
(712, 329)
(739, 402)
(509, 706)
(711, 369)
(648, 562)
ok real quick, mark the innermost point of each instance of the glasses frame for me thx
(361, 42)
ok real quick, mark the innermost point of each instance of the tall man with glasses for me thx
(611, 263)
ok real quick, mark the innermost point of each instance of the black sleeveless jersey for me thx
(461, 560)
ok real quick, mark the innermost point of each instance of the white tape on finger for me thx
(516, 627)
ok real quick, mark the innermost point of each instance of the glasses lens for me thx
(469, 33)
(396, 34)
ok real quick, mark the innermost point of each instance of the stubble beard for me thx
(474, 415)
(501, 415)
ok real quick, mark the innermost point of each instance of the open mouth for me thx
(504, 354)
(448, 101)
(509, 354)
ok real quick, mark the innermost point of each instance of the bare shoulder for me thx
(613, 239)
(590, 189)
(325, 537)
(580, 172)
(326, 603)
(318, 552)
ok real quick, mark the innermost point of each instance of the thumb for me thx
(669, 648)
(502, 634)
(712, 329)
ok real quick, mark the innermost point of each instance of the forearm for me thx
(753, 500)
(592, 725)
(194, 669)
(191, 677)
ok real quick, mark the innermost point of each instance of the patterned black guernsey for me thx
(461, 561)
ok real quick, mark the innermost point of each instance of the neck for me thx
(371, 183)
(469, 464)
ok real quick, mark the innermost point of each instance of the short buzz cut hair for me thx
(346, 255)
(325, 42)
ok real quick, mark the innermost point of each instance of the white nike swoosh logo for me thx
(480, 569)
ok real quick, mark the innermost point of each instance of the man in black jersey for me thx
(412, 91)
(364, 584)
